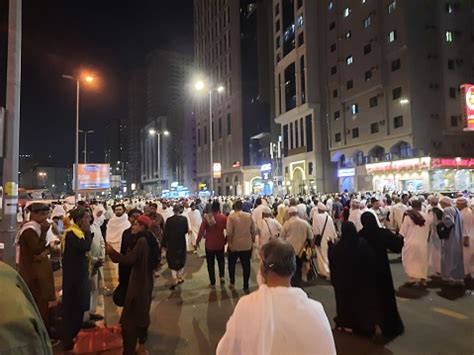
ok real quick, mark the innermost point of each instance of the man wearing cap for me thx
(296, 231)
(468, 235)
(268, 228)
(436, 214)
(323, 225)
(355, 213)
(34, 265)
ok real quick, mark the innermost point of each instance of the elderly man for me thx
(452, 265)
(355, 213)
(468, 235)
(324, 232)
(277, 318)
(268, 228)
(398, 211)
(297, 231)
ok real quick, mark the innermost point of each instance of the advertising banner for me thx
(216, 170)
(467, 94)
(94, 176)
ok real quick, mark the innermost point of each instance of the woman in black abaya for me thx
(379, 239)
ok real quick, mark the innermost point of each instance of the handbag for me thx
(443, 231)
(319, 237)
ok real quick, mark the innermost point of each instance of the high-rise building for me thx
(383, 78)
(231, 50)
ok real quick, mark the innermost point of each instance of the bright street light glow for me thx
(404, 101)
(458, 160)
(166, 133)
(199, 85)
(220, 89)
(152, 132)
(89, 78)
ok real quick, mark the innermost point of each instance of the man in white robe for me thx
(398, 211)
(468, 236)
(355, 214)
(268, 227)
(277, 318)
(115, 228)
(323, 225)
(416, 231)
(436, 214)
(195, 221)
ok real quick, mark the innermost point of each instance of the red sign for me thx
(467, 91)
(236, 164)
(450, 163)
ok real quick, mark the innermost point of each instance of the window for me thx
(309, 133)
(367, 22)
(302, 132)
(337, 137)
(451, 64)
(374, 101)
(301, 39)
(449, 8)
(334, 93)
(374, 128)
(367, 48)
(205, 135)
(333, 70)
(199, 136)
(449, 36)
(219, 127)
(398, 122)
(355, 132)
(354, 109)
(277, 26)
(396, 93)
(285, 140)
(396, 64)
(349, 84)
(297, 135)
(290, 87)
(229, 124)
(392, 6)
(303, 80)
(346, 12)
(454, 121)
(349, 60)
(300, 21)
(277, 42)
(300, 3)
(392, 36)
(452, 93)
(332, 25)
(368, 75)
(337, 115)
(331, 5)
(292, 141)
(333, 47)
(348, 34)
(277, 9)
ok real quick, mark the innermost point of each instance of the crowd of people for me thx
(348, 236)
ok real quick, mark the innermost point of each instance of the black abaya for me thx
(174, 240)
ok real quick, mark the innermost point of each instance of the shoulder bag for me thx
(319, 237)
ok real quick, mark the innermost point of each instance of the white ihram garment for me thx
(329, 234)
(277, 321)
(468, 231)
(354, 217)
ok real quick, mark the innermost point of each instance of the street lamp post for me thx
(199, 86)
(85, 142)
(154, 132)
(78, 90)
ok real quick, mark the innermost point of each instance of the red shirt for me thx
(215, 239)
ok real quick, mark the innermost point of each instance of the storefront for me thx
(346, 177)
(423, 174)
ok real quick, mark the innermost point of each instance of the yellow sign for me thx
(216, 170)
(11, 189)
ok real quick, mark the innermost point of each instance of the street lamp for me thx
(200, 86)
(154, 132)
(88, 79)
(85, 142)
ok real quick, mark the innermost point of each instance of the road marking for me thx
(449, 313)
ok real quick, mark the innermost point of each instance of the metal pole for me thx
(211, 180)
(85, 147)
(76, 170)
(158, 154)
(12, 134)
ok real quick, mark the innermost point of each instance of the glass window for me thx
(277, 26)
(333, 70)
(301, 39)
(396, 64)
(398, 122)
(349, 60)
(452, 93)
(330, 5)
(277, 42)
(337, 137)
(309, 133)
(348, 34)
(333, 47)
(396, 93)
(300, 21)
(374, 101)
(219, 127)
(349, 84)
(449, 36)
(205, 135)
(346, 12)
(332, 25)
(374, 128)
(199, 137)
(285, 140)
(290, 87)
(297, 135)
(449, 8)
(367, 22)
(454, 121)
(337, 115)
(229, 124)
(212, 131)
(303, 80)
(292, 141)
(300, 3)
(392, 6)
(368, 75)
(355, 132)
(302, 132)
(277, 9)
(354, 109)
(334, 93)
(392, 36)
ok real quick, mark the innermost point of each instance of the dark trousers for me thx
(211, 256)
(296, 280)
(130, 338)
(244, 257)
(72, 319)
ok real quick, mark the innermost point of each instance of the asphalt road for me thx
(192, 319)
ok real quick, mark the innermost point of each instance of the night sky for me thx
(111, 38)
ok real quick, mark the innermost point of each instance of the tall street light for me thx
(87, 79)
(200, 86)
(154, 132)
(85, 142)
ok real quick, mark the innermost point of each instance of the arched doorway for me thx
(256, 185)
(298, 181)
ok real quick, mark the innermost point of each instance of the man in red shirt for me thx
(212, 228)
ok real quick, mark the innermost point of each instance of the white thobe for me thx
(257, 213)
(468, 231)
(267, 228)
(277, 321)
(415, 248)
(434, 245)
(329, 234)
(115, 229)
(354, 217)
(195, 221)
(302, 208)
(398, 210)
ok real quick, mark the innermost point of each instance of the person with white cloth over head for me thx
(115, 228)
(277, 318)
(324, 231)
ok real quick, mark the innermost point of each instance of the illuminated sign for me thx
(216, 170)
(236, 164)
(399, 165)
(94, 176)
(450, 163)
(467, 91)
(266, 168)
(345, 172)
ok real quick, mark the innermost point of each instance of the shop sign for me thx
(265, 170)
(345, 172)
(216, 170)
(452, 163)
(236, 164)
(467, 94)
(399, 165)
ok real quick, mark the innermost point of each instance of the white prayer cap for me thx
(322, 206)
(58, 211)
(286, 202)
(446, 200)
(355, 202)
(461, 200)
(266, 210)
(292, 209)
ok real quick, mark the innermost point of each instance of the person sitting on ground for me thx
(277, 318)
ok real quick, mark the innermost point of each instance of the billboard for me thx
(94, 176)
(216, 170)
(467, 91)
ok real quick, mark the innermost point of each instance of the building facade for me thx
(231, 50)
